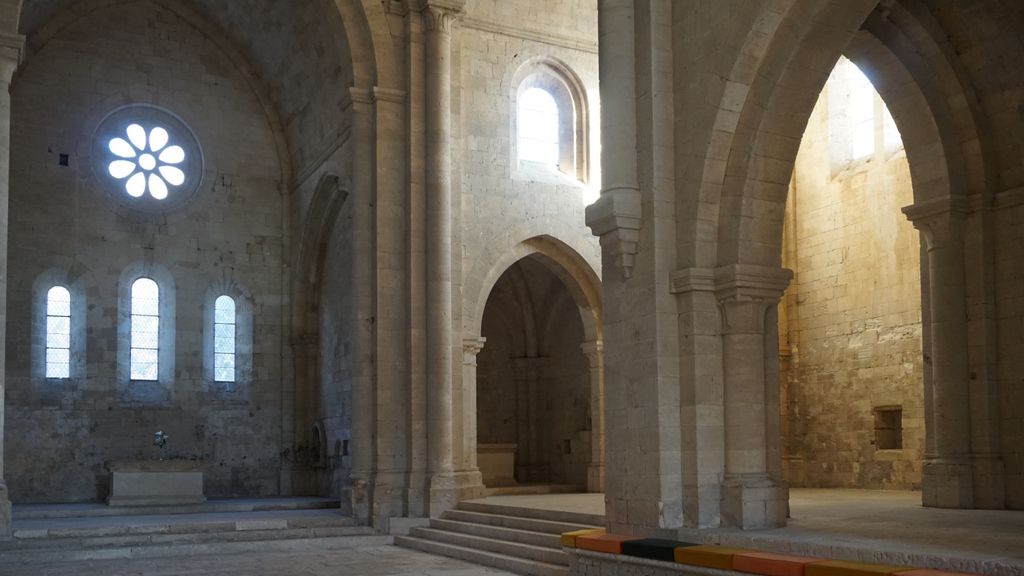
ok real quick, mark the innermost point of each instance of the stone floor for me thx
(887, 524)
(370, 561)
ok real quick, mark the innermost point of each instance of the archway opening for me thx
(534, 383)
(852, 374)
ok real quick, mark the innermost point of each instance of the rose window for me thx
(147, 162)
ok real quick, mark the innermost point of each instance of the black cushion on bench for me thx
(653, 548)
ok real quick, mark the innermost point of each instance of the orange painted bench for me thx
(768, 564)
(568, 539)
(607, 543)
(718, 557)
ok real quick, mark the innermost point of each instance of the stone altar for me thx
(156, 483)
(497, 463)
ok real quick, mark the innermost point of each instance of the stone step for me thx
(515, 522)
(195, 537)
(486, 558)
(176, 524)
(205, 544)
(563, 516)
(532, 489)
(530, 537)
(97, 510)
(525, 551)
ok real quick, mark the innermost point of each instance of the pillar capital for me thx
(745, 292)
(439, 15)
(12, 47)
(593, 350)
(938, 219)
(471, 348)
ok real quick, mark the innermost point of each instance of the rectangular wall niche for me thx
(888, 428)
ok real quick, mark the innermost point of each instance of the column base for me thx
(595, 478)
(362, 498)
(754, 503)
(444, 493)
(5, 513)
(989, 482)
(469, 484)
(947, 484)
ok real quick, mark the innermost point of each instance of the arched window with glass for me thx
(538, 128)
(145, 330)
(224, 339)
(58, 333)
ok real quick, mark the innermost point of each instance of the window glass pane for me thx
(145, 364)
(538, 127)
(58, 370)
(224, 340)
(58, 302)
(145, 330)
(58, 325)
(58, 333)
(58, 356)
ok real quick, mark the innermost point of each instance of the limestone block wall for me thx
(493, 43)
(60, 433)
(1009, 282)
(851, 321)
(335, 358)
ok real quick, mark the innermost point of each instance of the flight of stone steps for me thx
(57, 537)
(520, 540)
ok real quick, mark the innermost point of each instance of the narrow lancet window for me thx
(58, 333)
(145, 335)
(224, 331)
(538, 128)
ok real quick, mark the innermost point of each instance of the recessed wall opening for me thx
(850, 323)
(533, 383)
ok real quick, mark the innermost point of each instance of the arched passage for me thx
(533, 379)
(922, 89)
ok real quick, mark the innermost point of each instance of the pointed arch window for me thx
(538, 128)
(145, 330)
(58, 333)
(224, 339)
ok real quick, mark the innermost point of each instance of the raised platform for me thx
(862, 525)
(52, 533)
(213, 505)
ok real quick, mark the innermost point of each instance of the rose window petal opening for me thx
(148, 161)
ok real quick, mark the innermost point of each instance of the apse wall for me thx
(851, 320)
(66, 226)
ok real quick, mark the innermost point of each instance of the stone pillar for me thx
(947, 478)
(10, 56)
(595, 471)
(752, 497)
(470, 481)
(364, 399)
(438, 18)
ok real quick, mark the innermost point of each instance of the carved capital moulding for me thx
(745, 293)
(12, 48)
(438, 15)
(939, 220)
(471, 347)
(616, 218)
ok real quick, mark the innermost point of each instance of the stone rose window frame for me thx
(147, 158)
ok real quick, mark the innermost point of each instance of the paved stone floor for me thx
(887, 522)
(370, 561)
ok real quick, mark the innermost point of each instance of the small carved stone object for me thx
(160, 439)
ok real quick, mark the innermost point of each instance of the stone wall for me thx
(852, 318)
(1009, 283)
(61, 433)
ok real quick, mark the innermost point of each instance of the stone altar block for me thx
(156, 483)
(497, 464)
